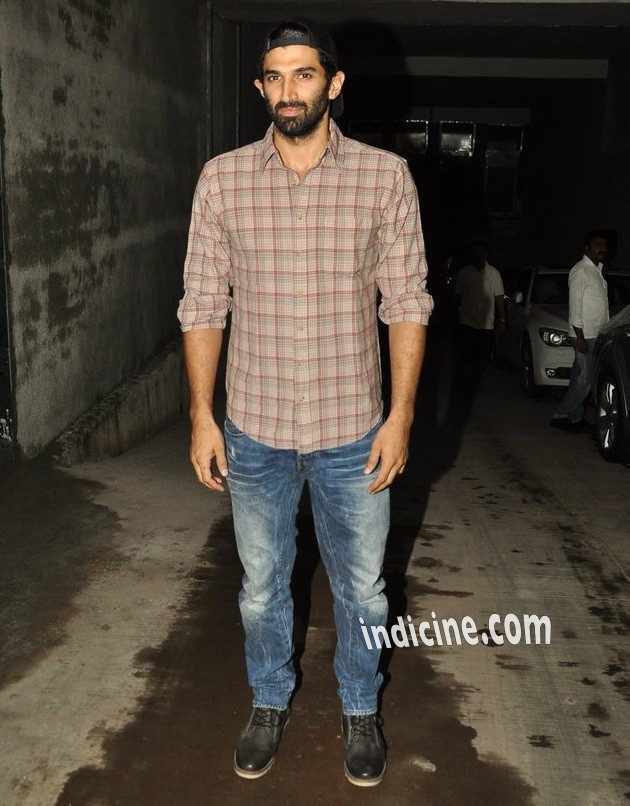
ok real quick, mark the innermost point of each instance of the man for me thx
(588, 312)
(479, 298)
(304, 226)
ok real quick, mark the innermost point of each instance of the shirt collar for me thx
(335, 148)
(599, 266)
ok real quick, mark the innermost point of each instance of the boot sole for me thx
(363, 781)
(251, 775)
(259, 773)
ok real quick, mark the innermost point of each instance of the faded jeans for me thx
(572, 404)
(351, 525)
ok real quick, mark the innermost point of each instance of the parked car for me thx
(537, 339)
(611, 388)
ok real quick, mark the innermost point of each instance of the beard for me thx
(304, 124)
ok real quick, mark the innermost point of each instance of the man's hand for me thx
(581, 346)
(391, 448)
(207, 444)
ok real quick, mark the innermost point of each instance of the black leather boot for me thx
(365, 750)
(258, 743)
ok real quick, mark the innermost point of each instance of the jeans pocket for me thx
(231, 430)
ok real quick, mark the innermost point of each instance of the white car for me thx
(537, 336)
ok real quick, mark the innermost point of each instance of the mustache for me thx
(289, 105)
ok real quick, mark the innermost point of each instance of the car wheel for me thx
(609, 424)
(528, 385)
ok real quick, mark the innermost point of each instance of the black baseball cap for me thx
(314, 36)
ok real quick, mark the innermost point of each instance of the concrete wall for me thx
(101, 106)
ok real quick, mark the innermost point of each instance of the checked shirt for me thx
(299, 263)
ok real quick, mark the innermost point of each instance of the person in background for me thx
(588, 312)
(479, 297)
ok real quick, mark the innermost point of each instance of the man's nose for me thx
(289, 92)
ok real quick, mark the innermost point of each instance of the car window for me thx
(618, 292)
(551, 289)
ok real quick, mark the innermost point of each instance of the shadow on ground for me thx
(177, 747)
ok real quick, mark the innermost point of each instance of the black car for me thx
(611, 388)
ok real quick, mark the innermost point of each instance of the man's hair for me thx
(478, 242)
(285, 30)
(595, 233)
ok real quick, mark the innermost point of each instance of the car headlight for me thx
(553, 337)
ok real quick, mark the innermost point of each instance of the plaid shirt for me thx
(304, 260)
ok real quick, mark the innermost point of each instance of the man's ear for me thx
(259, 86)
(336, 83)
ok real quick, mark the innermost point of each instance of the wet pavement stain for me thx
(596, 733)
(542, 740)
(419, 588)
(511, 663)
(178, 747)
(47, 555)
(597, 711)
(487, 638)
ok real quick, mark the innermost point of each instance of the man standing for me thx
(588, 312)
(305, 226)
(479, 297)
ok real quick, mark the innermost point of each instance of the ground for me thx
(122, 678)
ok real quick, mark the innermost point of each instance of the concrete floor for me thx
(121, 671)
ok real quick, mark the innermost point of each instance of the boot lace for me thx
(266, 718)
(363, 727)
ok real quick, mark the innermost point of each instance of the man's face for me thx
(478, 256)
(596, 249)
(296, 90)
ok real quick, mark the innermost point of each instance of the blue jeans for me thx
(572, 404)
(351, 525)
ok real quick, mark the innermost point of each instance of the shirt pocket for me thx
(347, 243)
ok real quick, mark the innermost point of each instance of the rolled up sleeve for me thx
(206, 299)
(402, 268)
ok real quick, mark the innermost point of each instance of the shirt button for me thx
(301, 398)
(300, 216)
(300, 328)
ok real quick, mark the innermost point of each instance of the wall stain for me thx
(97, 23)
(70, 35)
(77, 196)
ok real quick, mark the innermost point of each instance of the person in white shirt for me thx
(479, 297)
(588, 312)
